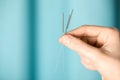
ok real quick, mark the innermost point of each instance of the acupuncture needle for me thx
(64, 31)
(63, 50)
(69, 19)
(63, 22)
(61, 47)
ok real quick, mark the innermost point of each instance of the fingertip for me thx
(60, 40)
(65, 39)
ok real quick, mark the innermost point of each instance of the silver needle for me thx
(69, 19)
(63, 22)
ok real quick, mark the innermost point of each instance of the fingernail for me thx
(66, 39)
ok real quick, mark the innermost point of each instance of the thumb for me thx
(82, 48)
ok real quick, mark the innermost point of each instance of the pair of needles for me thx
(64, 31)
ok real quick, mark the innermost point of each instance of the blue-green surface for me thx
(29, 32)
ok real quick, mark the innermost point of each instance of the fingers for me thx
(81, 48)
(98, 58)
(94, 58)
(87, 30)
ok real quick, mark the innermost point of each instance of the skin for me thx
(98, 47)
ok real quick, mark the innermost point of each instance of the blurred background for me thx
(29, 32)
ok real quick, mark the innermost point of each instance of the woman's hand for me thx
(99, 48)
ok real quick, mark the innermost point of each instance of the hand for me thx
(99, 48)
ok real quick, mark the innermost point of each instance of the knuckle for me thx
(84, 26)
(113, 30)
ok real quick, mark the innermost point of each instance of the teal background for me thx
(29, 32)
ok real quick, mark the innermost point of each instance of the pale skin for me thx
(98, 47)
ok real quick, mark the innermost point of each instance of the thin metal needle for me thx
(64, 30)
(69, 19)
(63, 22)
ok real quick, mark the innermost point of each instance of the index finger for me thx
(87, 30)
